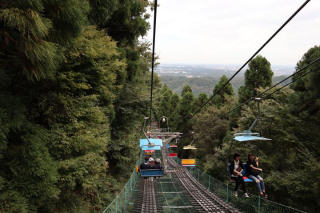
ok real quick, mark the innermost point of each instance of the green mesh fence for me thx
(122, 201)
(225, 191)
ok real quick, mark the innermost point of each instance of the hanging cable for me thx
(298, 72)
(153, 52)
(254, 55)
(291, 82)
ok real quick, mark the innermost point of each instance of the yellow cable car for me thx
(189, 162)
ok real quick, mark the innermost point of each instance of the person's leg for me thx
(261, 183)
(237, 183)
(257, 182)
(243, 184)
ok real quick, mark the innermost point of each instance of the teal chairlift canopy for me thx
(247, 135)
(150, 144)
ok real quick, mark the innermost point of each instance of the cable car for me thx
(172, 148)
(189, 162)
(153, 146)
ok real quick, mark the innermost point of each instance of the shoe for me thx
(265, 195)
(246, 195)
(236, 194)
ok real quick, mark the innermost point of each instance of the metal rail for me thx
(146, 198)
(203, 200)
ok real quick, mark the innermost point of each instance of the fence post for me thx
(259, 204)
(125, 198)
(117, 204)
(227, 199)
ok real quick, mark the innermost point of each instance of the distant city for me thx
(203, 78)
(215, 71)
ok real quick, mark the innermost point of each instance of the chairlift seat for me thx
(188, 162)
(173, 154)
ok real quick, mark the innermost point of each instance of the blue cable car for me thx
(154, 145)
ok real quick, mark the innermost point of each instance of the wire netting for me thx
(225, 191)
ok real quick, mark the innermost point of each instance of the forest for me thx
(74, 86)
(75, 81)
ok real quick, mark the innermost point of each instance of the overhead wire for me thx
(298, 72)
(254, 55)
(153, 55)
(291, 82)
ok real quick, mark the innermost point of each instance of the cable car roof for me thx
(156, 144)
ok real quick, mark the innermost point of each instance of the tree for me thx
(200, 101)
(72, 101)
(174, 112)
(165, 101)
(215, 120)
(259, 74)
(30, 31)
(186, 89)
(221, 97)
(128, 22)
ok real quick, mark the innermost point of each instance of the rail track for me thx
(147, 199)
(202, 199)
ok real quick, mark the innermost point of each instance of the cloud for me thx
(228, 32)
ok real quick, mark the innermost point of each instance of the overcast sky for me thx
(230, 31)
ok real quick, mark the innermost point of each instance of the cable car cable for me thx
(300, 71)
(153, 52)
(294, 80)
(254, 55)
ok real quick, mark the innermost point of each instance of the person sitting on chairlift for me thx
(236, 169)
(254, 171)
(151, 162)
(146, 164)
(157, 164)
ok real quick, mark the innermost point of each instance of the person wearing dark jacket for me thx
(254, 171)
(157, 164)
(146, 164)
(236, 169)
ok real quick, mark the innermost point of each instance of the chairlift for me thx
(189, 162)
(247, 136)
(150, 146)
(172, 150)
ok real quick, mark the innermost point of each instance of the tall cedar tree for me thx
(220, 98)
(258, 75)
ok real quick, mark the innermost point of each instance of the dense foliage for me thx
(74, 88)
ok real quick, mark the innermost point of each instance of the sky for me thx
(230, 31)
